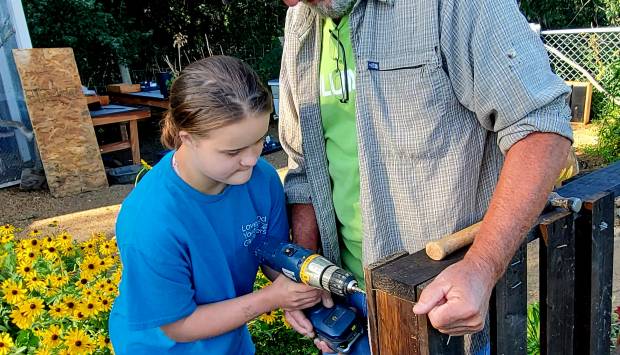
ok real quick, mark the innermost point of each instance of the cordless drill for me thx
(338, 326)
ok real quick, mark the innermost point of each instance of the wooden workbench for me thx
(122, 114)
(144, 98)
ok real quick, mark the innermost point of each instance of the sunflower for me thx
(25, 269)
(58, 310)
(35, 282)
(105, 303)
(7, 229)
(89, 246)
(78, 342)
(56, 280)
(31, 307)
(269, 317)
(90, 307)
(70, 305)
(43, 351)
(78, 316)
(103, 342)
(64, 239)
(20, 319)
(13, 291)
(90, 266)
(50, 251)
(6, 238)
(51, 337)
(88, 292)
(82, 282)
(28, 255)
(6, 343)
(106, 247)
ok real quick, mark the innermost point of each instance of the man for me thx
(408, 120)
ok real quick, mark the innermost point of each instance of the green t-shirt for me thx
(337, 98)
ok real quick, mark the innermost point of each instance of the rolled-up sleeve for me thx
(499, 69)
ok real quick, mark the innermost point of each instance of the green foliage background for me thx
(139, 33)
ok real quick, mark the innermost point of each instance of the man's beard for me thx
(333, 8)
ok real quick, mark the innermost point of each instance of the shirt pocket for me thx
(413, 95)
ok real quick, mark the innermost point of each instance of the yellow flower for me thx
(43, 351)
(89, 307)
(64, 239)
(56, 280)
(47, 239)
(116, 277)
(105, 303)
(31, 307)
(268, 317)
(108, 247)
(5, 238)
(70, 304)
(50, 251)
(78, 316)
(90, 266)
(13, 291)
(34, 233)
(7, 229)
(6, 343)
(28, 255)
(35, 283)
(58, 310)
(82, 282)
(103, 342)
(78, 342)
(51, 337)
(21, 320)
(25, 269)
(89, 246)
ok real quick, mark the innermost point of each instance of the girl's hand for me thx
(300, 323)
(290, 295)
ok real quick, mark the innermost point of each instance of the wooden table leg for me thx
(134, 140)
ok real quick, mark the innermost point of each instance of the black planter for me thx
(164, 80)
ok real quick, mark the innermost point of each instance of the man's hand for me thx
(458, 299)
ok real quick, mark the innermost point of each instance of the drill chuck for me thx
(303, 265)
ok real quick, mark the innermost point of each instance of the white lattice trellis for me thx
(592, 49)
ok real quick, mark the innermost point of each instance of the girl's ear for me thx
(186, 138)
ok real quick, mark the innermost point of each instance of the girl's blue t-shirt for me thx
(181, 248)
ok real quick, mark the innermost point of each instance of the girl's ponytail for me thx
(169, 132)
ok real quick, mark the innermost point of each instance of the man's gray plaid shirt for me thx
(444, 87)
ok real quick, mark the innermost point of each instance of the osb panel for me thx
(60, 119)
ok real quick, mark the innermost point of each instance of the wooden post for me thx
(508, 320)
(594, 235)
(557, 284)
(395, 287)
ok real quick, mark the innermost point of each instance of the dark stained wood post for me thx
(595, 245)
(557, 284)
(508, 320)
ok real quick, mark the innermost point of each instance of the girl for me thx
(183, 231)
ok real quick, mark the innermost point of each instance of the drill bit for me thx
(357, 289)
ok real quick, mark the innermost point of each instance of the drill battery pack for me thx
(339, 326)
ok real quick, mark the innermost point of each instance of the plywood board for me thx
(60, 120)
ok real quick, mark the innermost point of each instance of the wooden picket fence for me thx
(576, 267)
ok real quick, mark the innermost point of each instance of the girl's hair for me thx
(212, 93)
